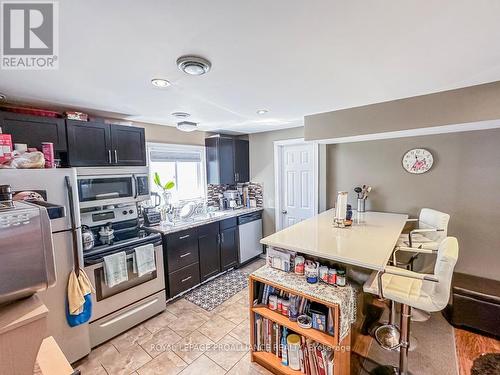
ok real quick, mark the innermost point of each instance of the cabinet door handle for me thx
(184, 255)
(186, 279)
(218, 238)
(109, 156)
(183, 237)
(116, 156)
(222, 237)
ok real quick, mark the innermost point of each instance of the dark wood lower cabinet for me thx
(209, 249)
(229, 248)
(195, 255)
(183, 279)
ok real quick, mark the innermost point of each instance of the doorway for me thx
(296, 181)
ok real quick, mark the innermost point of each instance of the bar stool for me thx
(428, 292)
(432, 228)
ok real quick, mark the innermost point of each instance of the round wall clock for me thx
(417, 161)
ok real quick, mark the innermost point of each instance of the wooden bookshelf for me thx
(342, 358)
(318, 336)
(273, 363)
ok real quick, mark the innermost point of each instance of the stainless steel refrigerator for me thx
(50, 183)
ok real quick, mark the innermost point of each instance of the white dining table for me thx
(368, 243)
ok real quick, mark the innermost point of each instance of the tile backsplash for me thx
(255, 192)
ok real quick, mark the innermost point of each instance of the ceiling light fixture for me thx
(160, 82)
(262, 111)
(2, 96)
(193, 65)
(180, 114)
(187, 126)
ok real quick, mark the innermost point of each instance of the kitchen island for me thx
(368, 243)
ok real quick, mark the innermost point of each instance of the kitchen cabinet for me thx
(181, 258)
(228, 243)
(89, 143)
(33, 130)
(182, 249)
(227, 160)
(128, 144)
(183, 279)
(209, 249)
(99, 144)
(241, 160)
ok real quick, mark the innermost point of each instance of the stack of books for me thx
(315, 358)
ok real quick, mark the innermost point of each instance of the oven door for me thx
(107, 300)
(105, 190)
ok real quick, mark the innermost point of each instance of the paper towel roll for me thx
(341, 207)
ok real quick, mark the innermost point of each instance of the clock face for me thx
(417, 161)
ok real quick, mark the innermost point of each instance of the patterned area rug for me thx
(210, 295)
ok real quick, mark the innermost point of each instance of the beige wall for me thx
(469, 104)
(464, 182)
(170, 134)
(262, 167)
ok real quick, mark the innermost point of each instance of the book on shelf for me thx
(315, 358)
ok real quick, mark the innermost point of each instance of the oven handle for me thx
(135, 185)
(130, 252)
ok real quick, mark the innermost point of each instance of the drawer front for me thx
(183, 279)
(228, 223)
(182, 249)
(112, 325)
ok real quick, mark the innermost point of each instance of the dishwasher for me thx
(250, 233)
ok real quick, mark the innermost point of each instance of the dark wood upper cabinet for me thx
(227, 160)
(128, 144)
(241, 160)
(100, 144)
(33, 130)
(89, 144)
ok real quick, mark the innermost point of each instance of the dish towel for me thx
(79, 302)
(115, 269)
(144, 260)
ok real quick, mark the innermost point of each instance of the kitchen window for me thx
(183, 164)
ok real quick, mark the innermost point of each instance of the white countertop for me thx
(368, 243)
(166, 228)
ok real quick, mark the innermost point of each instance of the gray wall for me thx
(468, 104)
(262, 167)
(464, 182)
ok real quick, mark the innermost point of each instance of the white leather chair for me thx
(429, 292)
(432, 228)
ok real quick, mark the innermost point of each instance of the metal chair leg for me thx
(404, 339)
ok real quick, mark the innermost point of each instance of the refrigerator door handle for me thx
(76, 256)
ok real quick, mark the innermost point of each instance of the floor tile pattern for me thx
(184, 339)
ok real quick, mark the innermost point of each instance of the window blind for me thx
(174, 155)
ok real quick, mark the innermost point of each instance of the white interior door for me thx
(298, 195)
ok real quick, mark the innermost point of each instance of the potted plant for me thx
(166, 207)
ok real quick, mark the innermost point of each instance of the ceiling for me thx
(292, 57)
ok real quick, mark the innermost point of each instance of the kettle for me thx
(88, 238)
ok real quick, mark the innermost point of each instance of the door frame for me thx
(278, 178)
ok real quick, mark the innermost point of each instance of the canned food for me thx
(332, 276)
(323, 273)
(273, 302)
(299, 265)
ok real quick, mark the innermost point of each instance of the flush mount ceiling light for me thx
(262, 111)
(180, 114)
(2, 96)
(160, 82)
(193, 65)
(187, 126)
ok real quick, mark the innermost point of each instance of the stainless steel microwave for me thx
(109, 186)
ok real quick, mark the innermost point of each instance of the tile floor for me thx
(184, 339)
